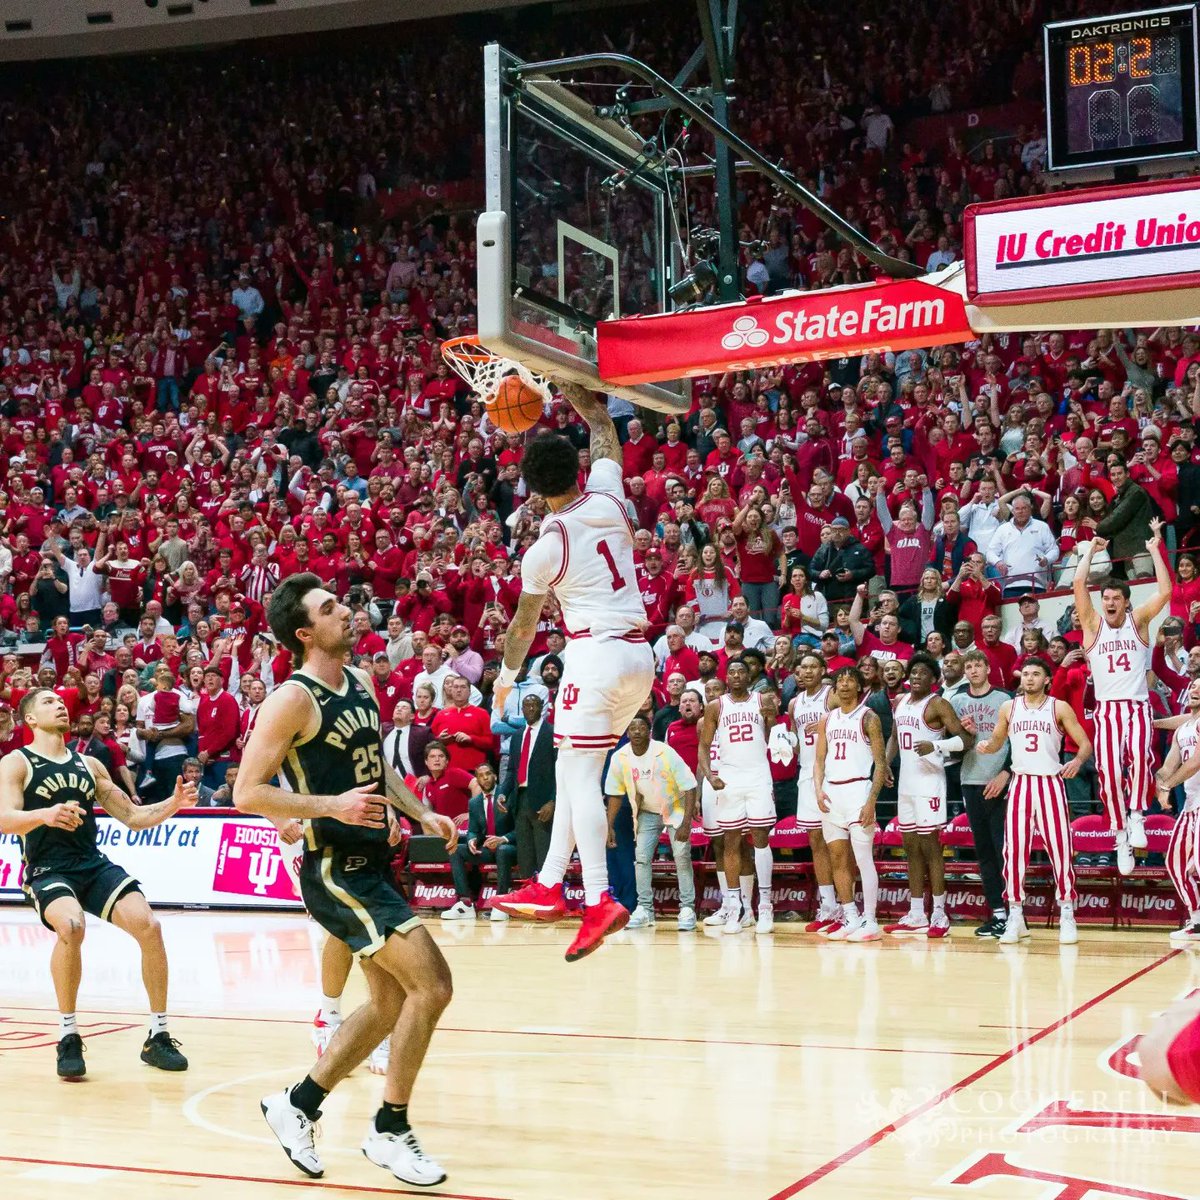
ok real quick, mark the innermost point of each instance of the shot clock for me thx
(1122, 89)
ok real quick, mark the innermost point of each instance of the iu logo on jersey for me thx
(569, 696)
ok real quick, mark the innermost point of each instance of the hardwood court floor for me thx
(678, 1067)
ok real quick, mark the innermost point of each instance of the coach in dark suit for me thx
(529, 785)
(490, 839)
(404, 747)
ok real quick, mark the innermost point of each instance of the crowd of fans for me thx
(210, 379)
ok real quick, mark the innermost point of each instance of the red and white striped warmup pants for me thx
(1037, 802)
(1181, 859)
(1124, 757)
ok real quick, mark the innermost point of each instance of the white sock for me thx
(66, 1024)
(849, 912)
(331, 1010)
(916, 907)
(1014, 910)
(722, 882)
(828, 897)
(747, 884)
(763, 865)
(1066, 908)
(733, 899)
(1194, 919)
(585, 824)
(862, 844)
(999, 913)
(158, 1023)
(939, 903)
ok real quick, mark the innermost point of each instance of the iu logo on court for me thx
(569, 696)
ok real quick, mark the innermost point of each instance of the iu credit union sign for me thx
(1137, 237)
(793, 327)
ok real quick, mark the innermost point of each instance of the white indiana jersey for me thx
(585, 553)
(1187, 738)
(1119, 660)
(808, 710)
(741, 738)
(848, 753)
(1035, 738)
(919, 776)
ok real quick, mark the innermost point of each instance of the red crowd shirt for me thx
(451, 794)
(218, 723)
(472, 721)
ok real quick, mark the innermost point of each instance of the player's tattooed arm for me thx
(137, 816)
(874, 731)
(592, 408)
(522, 629)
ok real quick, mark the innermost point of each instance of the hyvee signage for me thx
(1101, 242)
(793, 327)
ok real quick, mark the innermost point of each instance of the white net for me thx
(484, 370)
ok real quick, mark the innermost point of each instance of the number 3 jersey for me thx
(585, 553)
(1035, 738)
(344, 753)
(1119, 661)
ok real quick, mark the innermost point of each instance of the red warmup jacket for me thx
(218, 722)
(476, 724)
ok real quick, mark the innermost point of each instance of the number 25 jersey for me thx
(344, 753)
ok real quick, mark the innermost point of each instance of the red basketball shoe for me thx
(535, 902)
(599, 920)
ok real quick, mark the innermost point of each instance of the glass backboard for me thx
(577, 229)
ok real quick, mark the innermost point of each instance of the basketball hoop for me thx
(484, 370)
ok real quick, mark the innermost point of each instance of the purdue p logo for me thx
(569, 697)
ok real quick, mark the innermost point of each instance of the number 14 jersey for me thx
(1119, 660)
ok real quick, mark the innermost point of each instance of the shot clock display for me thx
(1122, 89)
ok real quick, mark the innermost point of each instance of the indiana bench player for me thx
(1181, 766)
(48, 797)
(319, 731)
(1117, 642)
(925, 727)
(1033, 723)
(585, 553)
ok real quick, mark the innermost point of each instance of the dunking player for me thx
(585, 553)
(1181, 766)
(1033, 723)
(320, 731)
(848, 773)
(737, 723)
(48, 796)
(925, 728)
(1117, 642)
(807, 710)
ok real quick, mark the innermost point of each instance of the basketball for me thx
(516, 406)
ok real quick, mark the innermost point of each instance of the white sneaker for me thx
(459, 911)
(766, 918)
(322, 1033)
(498, 915)
(377, 1060)
(686, 921)
(1189, 933)
(716, 918)
(401, 1154)
(1136, 824)
(865, 931)
(639, 919)
(1014, 928)
(1068, 931)
(842, 932)
(294, 1131)
(747, 915)
(734, 922)
(1125, 863)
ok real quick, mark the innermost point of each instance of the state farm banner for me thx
(1139, 237)
(212, 858)
(771, 331)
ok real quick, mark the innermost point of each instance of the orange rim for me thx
(468, 349)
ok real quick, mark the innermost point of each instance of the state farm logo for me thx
(745, 332)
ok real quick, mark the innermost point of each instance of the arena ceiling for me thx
(32, 29)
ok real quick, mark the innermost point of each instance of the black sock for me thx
(392, 1118)
(307, 1096)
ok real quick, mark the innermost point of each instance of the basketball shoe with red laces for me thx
(599, 920)
(535, 902)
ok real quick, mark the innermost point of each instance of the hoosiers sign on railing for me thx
(1138, 237)
(793, 327)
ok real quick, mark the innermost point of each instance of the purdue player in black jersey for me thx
(48, 797)
(320, 732)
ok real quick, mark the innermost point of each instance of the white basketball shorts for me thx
(846, 802)
(708, 809)
(746, 803)
(921, 814)
(603, 686)
(808, 811)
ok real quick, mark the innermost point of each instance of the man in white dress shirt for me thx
(1023, 550)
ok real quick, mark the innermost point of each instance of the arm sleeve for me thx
(543, 562)
(606, 476)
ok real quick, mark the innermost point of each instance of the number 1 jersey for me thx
(585, 553)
